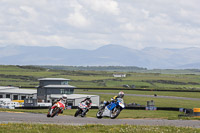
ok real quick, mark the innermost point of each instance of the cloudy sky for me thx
(89, 24)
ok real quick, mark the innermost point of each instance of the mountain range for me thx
(108, 55)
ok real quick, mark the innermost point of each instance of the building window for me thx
(29, 101)
(62, 91)
(1, 96)
(64, 83)
(15, 97)
(68, 91)
(7, 95)
(23, 97)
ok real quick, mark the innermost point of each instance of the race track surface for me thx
(10, 117)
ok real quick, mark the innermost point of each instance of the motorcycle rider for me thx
(88, 102)
(63, 100)
(120, 95)
(114, 99)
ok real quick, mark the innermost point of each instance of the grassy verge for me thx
(159, 102)
(159, 93)
(46, 128)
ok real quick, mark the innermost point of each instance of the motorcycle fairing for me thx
(111, 106)
(106, 112)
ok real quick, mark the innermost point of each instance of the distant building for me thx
(14, 93)
(48, 86)
(119, 75)
(49, 90)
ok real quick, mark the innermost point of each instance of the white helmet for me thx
(64, 97)
(121, 94)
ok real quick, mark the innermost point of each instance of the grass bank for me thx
(46, 128)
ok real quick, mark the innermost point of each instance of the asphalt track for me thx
(10, 117)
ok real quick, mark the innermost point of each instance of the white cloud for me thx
(103, 6)
(90, 24)
(77, 20)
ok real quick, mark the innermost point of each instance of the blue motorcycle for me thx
(111, 110)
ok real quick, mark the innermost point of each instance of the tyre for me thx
(48, 115)
(55, 112)
(99, 114)
(115, 112)
(77, 113)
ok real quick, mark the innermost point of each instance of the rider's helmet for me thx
(121, 94)
(64, 97)
(88, 97)
(88, 101)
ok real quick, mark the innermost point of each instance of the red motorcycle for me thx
(56, 109)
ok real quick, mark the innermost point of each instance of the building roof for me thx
(71, 96)
(19, 91)
(59, 86)
(54, 79)
(7, 87)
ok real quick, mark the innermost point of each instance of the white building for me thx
(119, 75)
(14, 93)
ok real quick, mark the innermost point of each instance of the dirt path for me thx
(6, 117)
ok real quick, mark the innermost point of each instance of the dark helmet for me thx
(121, 94)
(88, 97)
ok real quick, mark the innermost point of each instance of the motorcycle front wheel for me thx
(99, 114)
(48, 114)
(115, 112)
(77, 112)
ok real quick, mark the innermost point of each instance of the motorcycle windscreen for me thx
(111, 106)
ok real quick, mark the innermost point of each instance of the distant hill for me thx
(108, 55)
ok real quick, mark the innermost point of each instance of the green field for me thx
(27, 76)
(159, 93)
(50, 128)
